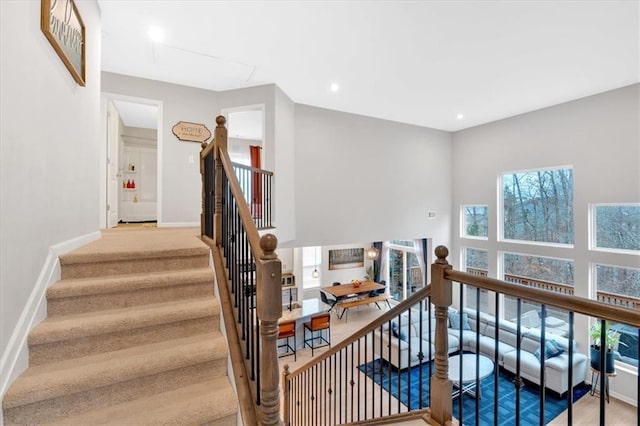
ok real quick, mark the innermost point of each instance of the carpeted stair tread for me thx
(139, 244)
(79, 258)
(52, 380)
(196, 404)
(74, 287)
(74, 326)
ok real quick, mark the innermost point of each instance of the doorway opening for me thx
(133, 142)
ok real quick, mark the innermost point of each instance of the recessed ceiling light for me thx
(156, 34)
(334, 87)
(460, 116)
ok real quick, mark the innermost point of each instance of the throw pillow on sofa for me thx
(396, 332)
(551, 349)
(454, 321)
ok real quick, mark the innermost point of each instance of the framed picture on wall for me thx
(61, 23)
(346, 258)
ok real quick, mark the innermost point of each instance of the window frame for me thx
(463, 223)
(500, 212)
(593, 231)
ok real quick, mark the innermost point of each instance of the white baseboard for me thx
(15, 358)
(178, 224)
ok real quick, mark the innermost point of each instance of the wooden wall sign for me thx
(61, 23)
(191, 132)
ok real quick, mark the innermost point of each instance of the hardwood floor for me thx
(585, 411)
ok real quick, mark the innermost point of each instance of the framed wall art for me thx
(346, 258)
(61, 23)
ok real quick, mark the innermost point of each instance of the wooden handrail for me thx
(267, 280)
(573, 303)
(243, 209)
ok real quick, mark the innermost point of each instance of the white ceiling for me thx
(410, 61)
(137, 115)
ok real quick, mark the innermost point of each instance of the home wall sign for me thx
(191, 132)
(346, 258)
(61, 23)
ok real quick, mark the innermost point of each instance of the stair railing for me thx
(361, 381)
(248, 274)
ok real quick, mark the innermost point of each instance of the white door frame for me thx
(105, 97)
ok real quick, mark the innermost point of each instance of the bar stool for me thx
(318, 323)
(287, 330)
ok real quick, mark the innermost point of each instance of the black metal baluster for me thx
(543, 356)
(570, 392)
(518, 380)
(496, 371)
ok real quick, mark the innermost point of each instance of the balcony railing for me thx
(248, 274)
(363, 379)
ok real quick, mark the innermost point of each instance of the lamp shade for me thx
(372, 253)
(315, 273)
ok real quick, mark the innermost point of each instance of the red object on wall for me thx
(133, 183)
(128, 183)
(256, 182)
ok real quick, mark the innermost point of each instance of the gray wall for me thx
(599, 136)
(49, 152)
(365, 179)
(179, 190)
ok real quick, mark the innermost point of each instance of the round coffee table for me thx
(468, 382)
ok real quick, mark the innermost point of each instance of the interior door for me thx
(113, 174)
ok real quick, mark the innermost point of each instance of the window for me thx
(476, 262)
(617, 227)
(475, 222)
(311, 261)
(405, 274)
(621, 286)
(541, 272)
(537, 206)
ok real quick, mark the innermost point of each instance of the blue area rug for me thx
(415, 382)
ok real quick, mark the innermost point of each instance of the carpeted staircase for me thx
(132, 337)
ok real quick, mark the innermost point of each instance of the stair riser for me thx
(74, 348)
(133, 266)
(67, 405)
(101, 302)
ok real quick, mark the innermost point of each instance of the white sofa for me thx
(556, 368)
(404, 353)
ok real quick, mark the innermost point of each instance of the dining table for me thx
(342, 290)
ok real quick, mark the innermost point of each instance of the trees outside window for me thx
(475, 221)
(537, 206)
(541, 272)
(476, 262)
(617, 227)
(405, 274)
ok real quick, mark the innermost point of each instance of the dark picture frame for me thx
(61, 23)
(346, 258)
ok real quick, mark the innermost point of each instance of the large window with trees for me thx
(616, 226)
(537, 206)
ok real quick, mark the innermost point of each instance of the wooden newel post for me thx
(269, 309)
(441, 387)
(220, 140)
